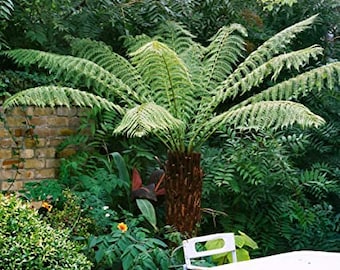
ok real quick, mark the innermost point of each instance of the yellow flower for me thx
(47, 206)
(122, 226)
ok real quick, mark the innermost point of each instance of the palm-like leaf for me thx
(150, 118)
(102, 55)
(77, 70)
(318, 78)
(259, 115)
(168, 77)
(59, 96)
(222, 55)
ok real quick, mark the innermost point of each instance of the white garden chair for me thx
(190, 251)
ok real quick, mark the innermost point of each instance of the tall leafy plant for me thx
(173, 87)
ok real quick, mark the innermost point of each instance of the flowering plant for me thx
(129, 246)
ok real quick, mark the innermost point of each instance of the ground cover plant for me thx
(205, 89)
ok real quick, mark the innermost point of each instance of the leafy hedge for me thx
(27, 242)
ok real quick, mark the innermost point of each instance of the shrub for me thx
(27, 242)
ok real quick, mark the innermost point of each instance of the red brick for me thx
(7, 143)
(65, 132)
(15, 121)
(3, 132)
(43, 111)
(39, 121)
(9, 163)
(53, 141)
(45, 152)
(43, 131)
(74, 122)
(19, 111)
(64, 111)
(45, 173)
(27, 153)
(7, 174)
(16, 185)
(26, 174)
(67, 152)
(58, 121)
(30, 143)
(5, 153)
(52, 163)
(34, 163)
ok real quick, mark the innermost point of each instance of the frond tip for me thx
(148, 118)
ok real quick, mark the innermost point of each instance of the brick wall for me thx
(28, 145)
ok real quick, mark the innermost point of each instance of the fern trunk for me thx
(184, 191)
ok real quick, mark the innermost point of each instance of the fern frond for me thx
(260, 115)
(77, 70)
(222, 54)
(6, 8)
(149, 118)
(58, 96)
(234, 86)
(325, 76)
(168, 77)
(101, 54)
(267, 50)
(175, 36)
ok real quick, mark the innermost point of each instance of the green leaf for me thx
(241, 254)
(248, 241)
(148, 211)
(239, 241)
(121, 166)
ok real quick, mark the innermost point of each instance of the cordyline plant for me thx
(173, 88)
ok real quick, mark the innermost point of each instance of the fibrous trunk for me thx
(183, 191)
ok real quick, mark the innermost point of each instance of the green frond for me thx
(101, 54)
(168, 77)
(260, 115)
(133, 43)
(175, 36)
(274, 114)
(316, 79)
(148, 118)
(78, 71)
(222, 54)
(273, 46)
(58, 96)
(234, 86)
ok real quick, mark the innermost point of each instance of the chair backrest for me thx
(190, 251)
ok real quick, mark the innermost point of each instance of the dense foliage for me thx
(26, 242)
(263, 193)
